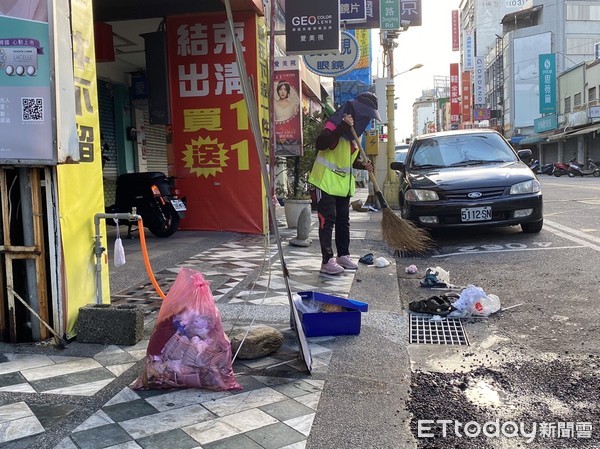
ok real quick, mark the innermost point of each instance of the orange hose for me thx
(147, 261)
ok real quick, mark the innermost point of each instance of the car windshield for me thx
(401, 155)
(460, 151)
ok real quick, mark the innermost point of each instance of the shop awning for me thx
(555, 137)
(587, 129)
(516, 139)
(534, 138)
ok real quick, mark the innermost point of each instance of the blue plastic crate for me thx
(323, 324)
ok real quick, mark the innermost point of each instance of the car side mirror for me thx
(525, 155)
(399, 166)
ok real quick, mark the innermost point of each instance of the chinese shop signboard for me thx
(454, 94)
(311, 26)
(214, 150)
(26, 125)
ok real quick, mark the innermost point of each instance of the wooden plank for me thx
(12, 315)
(24, 251)
(40, 262)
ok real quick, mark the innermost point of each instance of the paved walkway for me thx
(81, 397)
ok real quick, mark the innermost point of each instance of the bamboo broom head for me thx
(403, 235)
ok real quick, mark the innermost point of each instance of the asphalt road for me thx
(531, 374)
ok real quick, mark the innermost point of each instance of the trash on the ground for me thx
(381, 262)
(435, 305)
(511, 307)
(474, 301)
(358, 206)
(320, 324)
(411, 269)
(367, 259)
(188, 347)
(436, 277)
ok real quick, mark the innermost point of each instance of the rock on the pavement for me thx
(261, 341)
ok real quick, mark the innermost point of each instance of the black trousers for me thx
(334, 213)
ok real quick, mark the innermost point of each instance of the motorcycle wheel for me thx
(596, 173)
(558, 173)
(167, 227)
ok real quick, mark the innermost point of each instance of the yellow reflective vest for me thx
(332, 171)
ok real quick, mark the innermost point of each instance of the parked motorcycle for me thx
(562, 168)
(578, 170)
(154, 197)
(546, 169)
(535, 166)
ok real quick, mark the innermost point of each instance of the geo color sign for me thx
(311, 26)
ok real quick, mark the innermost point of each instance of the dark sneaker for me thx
(345, 262)
(331, 267)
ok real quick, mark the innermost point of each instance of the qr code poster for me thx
(26, 124)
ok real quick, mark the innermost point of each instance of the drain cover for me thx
(449, 331)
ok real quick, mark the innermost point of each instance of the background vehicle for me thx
(466, 178)
(578, 170)
(155, 198)
(400, 152)
(546, 169)
(561, 168)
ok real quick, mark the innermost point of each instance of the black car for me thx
(465, 178)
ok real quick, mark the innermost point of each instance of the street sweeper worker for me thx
(333, 178)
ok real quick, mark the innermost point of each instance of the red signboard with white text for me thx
(214, 151)
(454, 94)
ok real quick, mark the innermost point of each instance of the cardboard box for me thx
(332, 323)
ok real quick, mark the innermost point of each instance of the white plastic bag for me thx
(474, 301)
(310, 306)
(119, 251)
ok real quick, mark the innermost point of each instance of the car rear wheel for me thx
(532, 228)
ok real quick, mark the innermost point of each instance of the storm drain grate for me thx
(449, 331)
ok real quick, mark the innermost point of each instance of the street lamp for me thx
(414, 67)
(390, 186)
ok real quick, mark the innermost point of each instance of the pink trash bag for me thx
(188, 347)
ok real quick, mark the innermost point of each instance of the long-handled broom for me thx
(399, 234)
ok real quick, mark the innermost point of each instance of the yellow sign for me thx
(80, 188)
(372, 142)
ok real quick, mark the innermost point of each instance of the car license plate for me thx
(178, 205)
(476, 213)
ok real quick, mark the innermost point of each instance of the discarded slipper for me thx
(381, 262)
(367, 259)
(434, 305)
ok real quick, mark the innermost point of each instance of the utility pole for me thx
(390, 186)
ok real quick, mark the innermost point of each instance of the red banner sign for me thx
(214, 150)
(454, 94)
